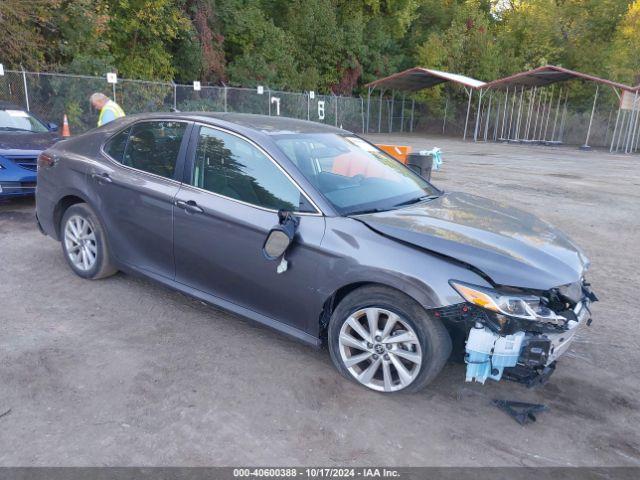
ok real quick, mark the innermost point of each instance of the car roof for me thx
(270, 125)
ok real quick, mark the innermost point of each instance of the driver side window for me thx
(231, 166)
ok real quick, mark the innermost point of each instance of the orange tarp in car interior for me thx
(351, 164)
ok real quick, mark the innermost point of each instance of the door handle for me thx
(101, 177)
(189, 206)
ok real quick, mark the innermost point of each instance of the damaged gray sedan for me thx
(320, 235)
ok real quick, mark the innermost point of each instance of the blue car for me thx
(22, 137)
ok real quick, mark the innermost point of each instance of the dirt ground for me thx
(125, 372)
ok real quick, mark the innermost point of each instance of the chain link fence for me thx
(547, 115)
(51, 96)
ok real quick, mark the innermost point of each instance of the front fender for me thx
(357, 254)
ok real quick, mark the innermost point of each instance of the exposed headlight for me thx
(528, 307)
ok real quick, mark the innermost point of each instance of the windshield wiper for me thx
(368, 210)
(424, 198)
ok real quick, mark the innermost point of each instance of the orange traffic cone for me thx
(65, 127)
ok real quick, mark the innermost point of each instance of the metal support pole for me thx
(337, 100)
(504, 115)
(486, 122)
(555, 118)
(114, 91)
(402, 113)
(175, 97)
(497, 120)
(546, 125)
(634, 148)
(634, 142)
(513, 107)
(634, 116)
(532, 98)
(564, 115)
(543, 115)
(625, 128)
(393, 101)
(369, 90)
(466, 121)
(380, 112)
(606, 132)
(624, 118)
(269, 102)
(478, 114)
(26, 91)
(413, 105)
(519, 112)
(226, 99)
(593, 111)
(535, 122)
(632, 123)
(362, 112)
(615, 129)
(444, 117)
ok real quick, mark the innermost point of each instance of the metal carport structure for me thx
(413, 80)
(532, 123)
(627, 126)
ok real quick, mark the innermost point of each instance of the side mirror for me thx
(280, 236)
(52, 126)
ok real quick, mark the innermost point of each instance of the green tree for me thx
(624, 62)
(24, 25)
(141, 34)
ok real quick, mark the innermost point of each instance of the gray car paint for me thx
(514, 248)
(216, 253)
(137, 211)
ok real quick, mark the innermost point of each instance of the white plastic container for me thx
(506, 352)
(479, 346)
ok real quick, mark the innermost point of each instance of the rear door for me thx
(136, 189)
(222, 217)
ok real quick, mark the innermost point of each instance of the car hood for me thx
(13, 142)
(511, 247)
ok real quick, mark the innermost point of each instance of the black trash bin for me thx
(421, 164)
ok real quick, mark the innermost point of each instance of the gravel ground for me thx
(126, 372)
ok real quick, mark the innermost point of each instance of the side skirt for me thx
(226, 305)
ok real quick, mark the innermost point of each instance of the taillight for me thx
(45, 160)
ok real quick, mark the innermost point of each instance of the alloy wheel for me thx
(80, 243)
(380, 349)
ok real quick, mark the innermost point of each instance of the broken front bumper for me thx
(528, 357)
(561, 341)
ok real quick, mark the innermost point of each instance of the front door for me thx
(222, 218)
(135, 193)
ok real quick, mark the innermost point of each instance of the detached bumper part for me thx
(521, 412)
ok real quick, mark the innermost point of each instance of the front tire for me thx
(385, 341)
(84, 243)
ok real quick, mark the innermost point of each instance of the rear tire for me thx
(84, 243)
(405, 353)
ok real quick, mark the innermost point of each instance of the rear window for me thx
(115, 147)
(153, 147)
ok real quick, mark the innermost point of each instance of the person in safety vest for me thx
(109, 110)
